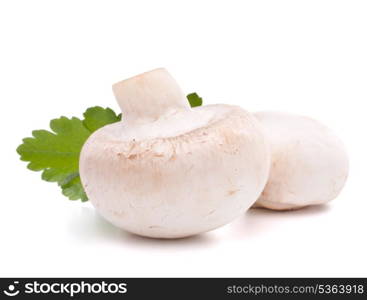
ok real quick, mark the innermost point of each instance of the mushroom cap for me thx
(181, 175)
(309, 164)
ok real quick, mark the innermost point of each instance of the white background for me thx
(60, 57)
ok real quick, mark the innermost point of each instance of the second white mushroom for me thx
(309, 164)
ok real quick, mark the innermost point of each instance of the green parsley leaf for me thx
(74, 189)
(56, 153)
(97, 117)
(194, 99)
(58, 150)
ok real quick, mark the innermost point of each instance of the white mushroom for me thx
(169, 171)
(309, 164)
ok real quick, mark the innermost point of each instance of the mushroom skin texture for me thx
(170, 171)
(309, 164)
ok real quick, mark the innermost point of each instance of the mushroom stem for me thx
(149, 96)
